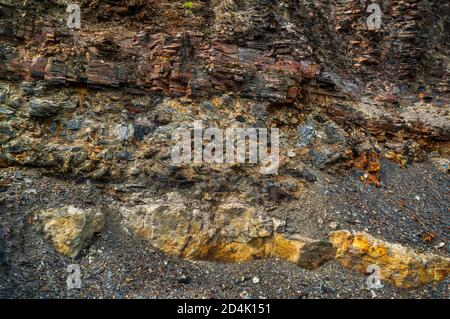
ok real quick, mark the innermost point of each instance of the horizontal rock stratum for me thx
(237, 233)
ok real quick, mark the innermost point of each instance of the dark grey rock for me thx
(43, 108)
(300, 173)
(6, 133)
(16, 149)
(125, 156)
(332, 82)
(260, 112)
(140, 131)
(332, 135)
(70, 105)
(53, 127)
(318, 158)
(16, 103)
(3, 97)
(207, 106)
(309, 176)
(184, 280)
(306, 134)
(163, 118)
(74, 125)
(325, 156)
(28, 88)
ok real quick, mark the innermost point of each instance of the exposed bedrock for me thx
(236, 232)
(99, 105)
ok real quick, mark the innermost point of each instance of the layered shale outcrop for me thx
(100, 103)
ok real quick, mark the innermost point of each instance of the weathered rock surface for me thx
(70, 229)
(260, 53)
(235, 233)
(42, 108)
(99, 105)
(399, 265)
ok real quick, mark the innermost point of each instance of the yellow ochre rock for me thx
(399, 265)
(237, 232)
(70, 228)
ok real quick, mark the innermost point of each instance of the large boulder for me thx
(43, 108)
(70, 229)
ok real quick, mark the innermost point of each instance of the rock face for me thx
(399, 265)
(257, 54)
(235, 233)
(42, 108)
(70, 229)
(101, 103)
